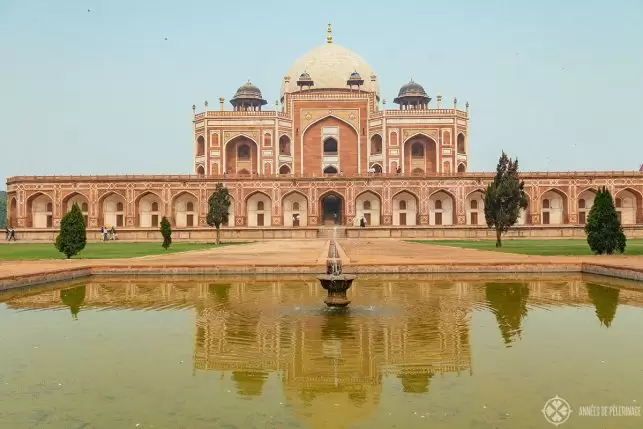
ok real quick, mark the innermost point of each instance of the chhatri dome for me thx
(329, 65)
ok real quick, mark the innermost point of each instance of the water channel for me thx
(410, 352)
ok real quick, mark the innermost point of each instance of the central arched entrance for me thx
(332, 209)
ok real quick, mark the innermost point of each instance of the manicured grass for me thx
(96, 250)
(535, 247)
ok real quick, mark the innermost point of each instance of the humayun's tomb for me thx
(330, 152)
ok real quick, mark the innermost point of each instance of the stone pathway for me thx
(294, 255)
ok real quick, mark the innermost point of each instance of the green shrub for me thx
(166, 231)
(603, 228)
(73, 236)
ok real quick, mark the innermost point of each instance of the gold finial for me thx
(329, 37)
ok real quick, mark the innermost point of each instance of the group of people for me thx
(108, 234)
(10, 233)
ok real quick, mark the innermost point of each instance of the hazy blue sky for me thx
(557, 83)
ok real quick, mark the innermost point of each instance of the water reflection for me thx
(605, 300)
(508, 302)
(412, 331)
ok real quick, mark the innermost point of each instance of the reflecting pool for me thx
(410, 352)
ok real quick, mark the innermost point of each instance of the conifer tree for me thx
(73, 235)
(504, 197)
(604, 231)
(219, 205)
(166, 231)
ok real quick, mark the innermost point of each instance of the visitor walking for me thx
(362, 222)
(12, 234)
(112, 233)
(7, 233)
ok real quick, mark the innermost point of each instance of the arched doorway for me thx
(332, 209)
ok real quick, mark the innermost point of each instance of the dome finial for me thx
(329, 37)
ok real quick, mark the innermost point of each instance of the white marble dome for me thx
(330, 66)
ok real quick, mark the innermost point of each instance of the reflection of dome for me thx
(250, 383)
(329, 65)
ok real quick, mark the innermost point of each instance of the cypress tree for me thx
(166, 231)
(504, 197)
(219, 204)
(604, 231)
(73, 236)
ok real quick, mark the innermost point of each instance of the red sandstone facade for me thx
(328, 154)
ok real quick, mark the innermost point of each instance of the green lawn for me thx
(535, 247)
(96, 250)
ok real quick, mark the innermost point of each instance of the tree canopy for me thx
(504, 197)
(219, 206)
(166, 232)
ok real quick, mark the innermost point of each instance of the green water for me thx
(414, 352)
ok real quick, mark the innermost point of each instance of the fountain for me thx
(334, 281)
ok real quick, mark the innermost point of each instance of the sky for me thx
(94, 87)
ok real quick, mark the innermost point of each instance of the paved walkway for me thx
(292, 255)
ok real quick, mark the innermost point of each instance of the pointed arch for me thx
(330, 115)
(148, 214)
(556, 212)
(631, 210)
(200, 146)
(419, 134)
(376, 144)
(13, 211)
(474, 206)
(231, 161)
(442, 211)
(40, 211)
(406, 205)
(462, 167)
(82, 201)
(420, 154)
(285, 144)
(284, 169)
(584, 203)
(332, 206)
(112, 209)
(295, 209)
(368, 204)
(460, 144)
(185, 209)
(258, 209)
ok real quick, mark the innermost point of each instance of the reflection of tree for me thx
(358, 397)
(416, 382)
(220, 292)
(73, 298)
(249, 383)
(508, 301)
(605, 300)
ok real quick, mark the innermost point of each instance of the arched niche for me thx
(442, 208)
(295, 210)
(420, 155)
(111, 210)
(149, 210)
(405, 209)
(368, 205)
(200, 146)
(185, 210)
(475, 208)
(584, 203)
(81, 200)
(553, 205)
(376, 145)
(40, 211)
(628, 203)
(241, 156)
(258, 208)
(284, 145)
(460, 144)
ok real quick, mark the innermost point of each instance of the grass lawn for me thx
(535, 247)
(96, 250)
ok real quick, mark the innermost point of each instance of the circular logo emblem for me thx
(557, 411)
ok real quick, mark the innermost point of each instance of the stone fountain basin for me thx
(338, 283)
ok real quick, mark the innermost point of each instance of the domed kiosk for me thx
(248, 97)
(412, 96)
